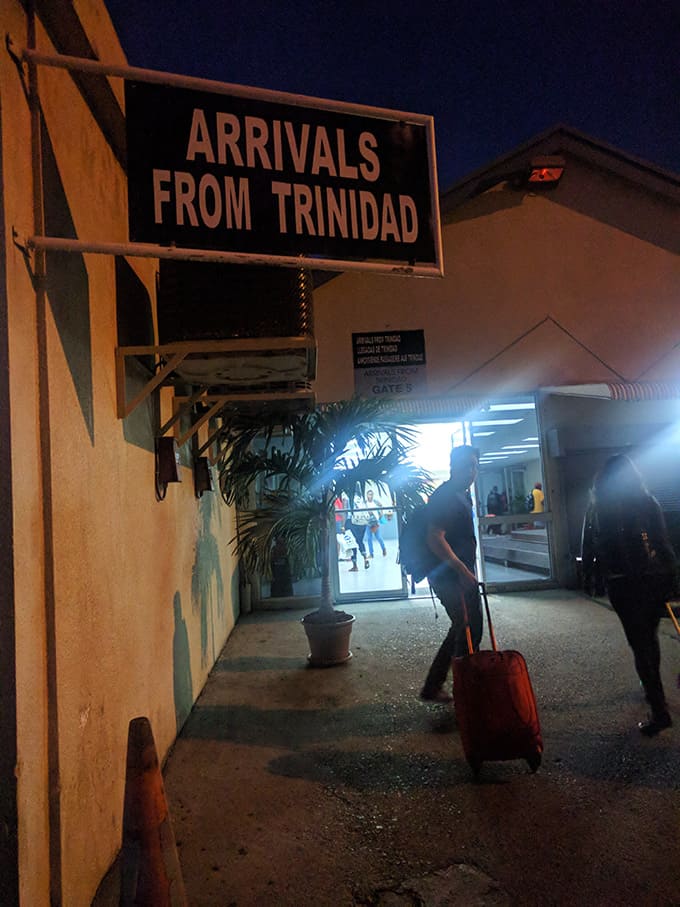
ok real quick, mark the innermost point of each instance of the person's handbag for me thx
(348, 540)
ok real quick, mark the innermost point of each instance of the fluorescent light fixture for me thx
(498, 455)
(530, 439)
(497, 407)
(486, 422)
(482, 434)
(520, 448)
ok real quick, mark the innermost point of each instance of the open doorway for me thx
(367, 547)
(513, 537)
(510, 508)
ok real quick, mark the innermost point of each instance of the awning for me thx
(640, 390)
(635, 392)
(445, 408)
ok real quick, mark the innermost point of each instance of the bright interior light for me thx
(497, 407)
(530, 439)
(482, 434)
(518, 447)
(497, 455)
(497, 422)
(433, 446)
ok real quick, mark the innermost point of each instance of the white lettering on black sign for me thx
(215, 171)
(389, 364)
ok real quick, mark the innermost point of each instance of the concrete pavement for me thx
(291, 786)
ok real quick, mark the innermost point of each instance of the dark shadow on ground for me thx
(372, 771)
(297, 728)
(624, 758)
(248, 664)
(608, 760)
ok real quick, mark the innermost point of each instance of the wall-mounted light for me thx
(542, 172)
(545, 172)
(203, 477)
(167, 465)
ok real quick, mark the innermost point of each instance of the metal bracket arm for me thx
(184, 405)
(123, 407)
(213, 411)
(175, 353)
(220, 403)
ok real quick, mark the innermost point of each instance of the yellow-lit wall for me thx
(578, 286)
(128, 599)
(536, 292)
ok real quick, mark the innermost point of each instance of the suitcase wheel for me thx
(534, 762)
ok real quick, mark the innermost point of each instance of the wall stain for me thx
(134, 324)
(181, 666)
(68, 286)
(207, 585)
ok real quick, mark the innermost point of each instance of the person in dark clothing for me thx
(503, 498)
(493, 508)
(451, 537)
(626, 542)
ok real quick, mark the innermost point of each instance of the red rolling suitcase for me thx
(495, 704)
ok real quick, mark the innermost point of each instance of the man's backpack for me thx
(415, 556)
(529, 503)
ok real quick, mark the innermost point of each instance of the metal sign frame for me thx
(144, 249)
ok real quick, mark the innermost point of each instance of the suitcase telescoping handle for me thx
(671, 614)
(489, 622)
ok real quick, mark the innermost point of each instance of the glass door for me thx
(513, 532)
(513, 514)
(365, 548)
(513, 539)
(432, 452)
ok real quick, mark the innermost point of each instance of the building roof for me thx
(570, 143)
(563, 140)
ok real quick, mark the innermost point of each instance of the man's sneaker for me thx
(439, 695)
(655, 724)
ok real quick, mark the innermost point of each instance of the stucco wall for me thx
(575, 286)
(536, 293)
(581, 433)
(139, 592)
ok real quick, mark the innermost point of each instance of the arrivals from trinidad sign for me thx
(215, 171)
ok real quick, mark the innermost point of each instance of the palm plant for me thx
(306, 461)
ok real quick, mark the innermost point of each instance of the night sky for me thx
(492, 74)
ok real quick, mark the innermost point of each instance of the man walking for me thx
(451, 537)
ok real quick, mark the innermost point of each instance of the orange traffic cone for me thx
(150, 873)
